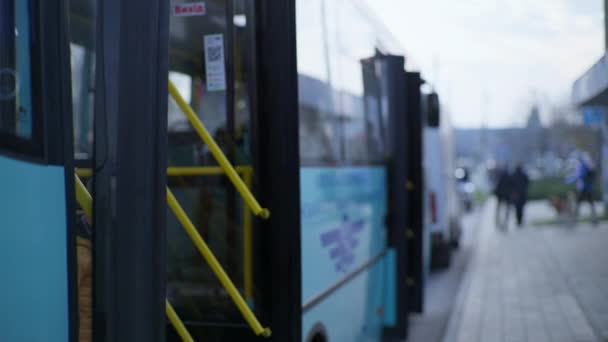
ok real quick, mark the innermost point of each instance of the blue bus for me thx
(357, 141)
(34, 196)
(122, 222)
(59, 280)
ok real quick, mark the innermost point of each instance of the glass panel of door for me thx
(211, 64)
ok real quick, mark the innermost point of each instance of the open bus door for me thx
(226, 66)
(415, 187)
(128, 166)
(36, 201)
(398, 193)
(212, 66)
(128, 90)
(198, 270)
(393, 85)
(43, 62)
(406, 186)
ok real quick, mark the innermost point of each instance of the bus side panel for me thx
(33, 252)
(343, 231)
(390, 288)
(353, 313)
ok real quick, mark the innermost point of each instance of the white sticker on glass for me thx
(214, 62)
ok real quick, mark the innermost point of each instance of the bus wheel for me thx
(317, 334)
(318, 338)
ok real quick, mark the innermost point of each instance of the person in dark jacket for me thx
(519, 192)
(501, 191)
(584, 178)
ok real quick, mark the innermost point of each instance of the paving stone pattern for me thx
(534, 284)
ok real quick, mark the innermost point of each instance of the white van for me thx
(443, 206)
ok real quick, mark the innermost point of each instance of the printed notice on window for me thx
(214, 62)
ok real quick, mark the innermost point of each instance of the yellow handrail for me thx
(215, 266)
(247, 242)
(218, 154)
(84, 199)
(83, 172)
(174, 171)
(247, 173)
(177, 323)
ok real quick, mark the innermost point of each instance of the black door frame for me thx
(278, 169)
(394, 86)
(415, 187)
(51, 73)
(130, 170)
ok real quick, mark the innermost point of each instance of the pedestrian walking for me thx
(519, 192)
(501, 191)
(584, 179)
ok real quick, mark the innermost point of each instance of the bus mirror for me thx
(433, 111)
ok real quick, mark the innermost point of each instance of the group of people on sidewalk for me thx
(511, 190)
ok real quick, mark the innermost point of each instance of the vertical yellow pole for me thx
(247, 243)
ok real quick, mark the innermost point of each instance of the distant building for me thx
(534, 119)
(528, 145)
(504, 145)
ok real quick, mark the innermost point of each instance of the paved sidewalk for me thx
(534, 284)
(442, 287)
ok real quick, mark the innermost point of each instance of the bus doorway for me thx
(211, 66)
(223, 68)
(118, 56)
(393, 84)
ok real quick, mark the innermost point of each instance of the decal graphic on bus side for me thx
(343, 213)
(343, 241)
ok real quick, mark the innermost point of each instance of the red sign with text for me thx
(189, 9)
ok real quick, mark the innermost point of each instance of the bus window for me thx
(343, 113)
(356, 149)
(82, 58)
(374, 102)
(176, 119)
(319, 123)
(15, 70)
(82, 65)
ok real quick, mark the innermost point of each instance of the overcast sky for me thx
(517, 50)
